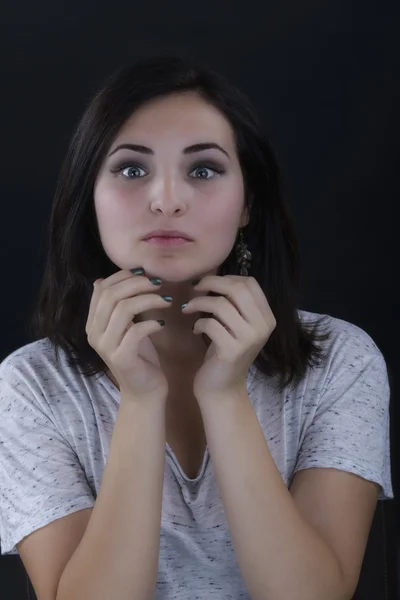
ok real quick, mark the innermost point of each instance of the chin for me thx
(168, 275)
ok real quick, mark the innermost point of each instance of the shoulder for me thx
(346, 340)
(21, 377)
(29, 360)
(31, 376)
(353, 371)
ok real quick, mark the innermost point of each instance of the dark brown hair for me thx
(75, 256)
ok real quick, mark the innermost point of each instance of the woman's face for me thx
(170, 188)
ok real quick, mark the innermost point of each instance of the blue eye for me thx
(209, 168)
(127, 167)
(135, 166)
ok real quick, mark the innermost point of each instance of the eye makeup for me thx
(207, 164)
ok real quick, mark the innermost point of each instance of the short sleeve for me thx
(350, 429)
(41, 478)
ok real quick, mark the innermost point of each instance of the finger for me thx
(113, 295)
(135, 333)
(221, 308)
(217, 334)
(236, 290)
(121, 318)
(260, 298)
(93, 304)
(99, 285)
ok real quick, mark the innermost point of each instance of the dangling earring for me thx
(243, 255)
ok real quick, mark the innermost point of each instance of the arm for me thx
(118, 554)
(279, 554)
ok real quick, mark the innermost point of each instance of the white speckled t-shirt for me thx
(56, 427)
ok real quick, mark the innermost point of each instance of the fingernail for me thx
(161, 321)
(137, 271)
(196, 281)
(155, 280)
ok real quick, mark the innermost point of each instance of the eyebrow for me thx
(189, 150)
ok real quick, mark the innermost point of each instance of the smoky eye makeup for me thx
(123, 164)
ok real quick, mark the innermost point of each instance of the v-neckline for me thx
(110, 385)
(183, 473)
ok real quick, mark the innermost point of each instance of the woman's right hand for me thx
(123, 345)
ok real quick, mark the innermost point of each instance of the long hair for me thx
(75, 255)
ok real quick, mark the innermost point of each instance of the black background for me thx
(323, 74)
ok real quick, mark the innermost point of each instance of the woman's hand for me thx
(243, 324)
(123, 345)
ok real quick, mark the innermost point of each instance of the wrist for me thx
(155, 401)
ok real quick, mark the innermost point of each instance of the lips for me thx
(167, 234)
(167, 237)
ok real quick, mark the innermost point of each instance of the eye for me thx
(204, 168)
(136, 167)
(127, 167)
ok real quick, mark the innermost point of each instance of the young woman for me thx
(227, 449)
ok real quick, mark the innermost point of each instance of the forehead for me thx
(184, 114)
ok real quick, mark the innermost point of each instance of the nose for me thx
(167, 198)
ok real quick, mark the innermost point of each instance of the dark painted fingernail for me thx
(196, 281)
(137, 271)
(161, 321)
(155, 280)
(167, 298)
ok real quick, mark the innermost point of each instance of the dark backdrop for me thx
(323, 73)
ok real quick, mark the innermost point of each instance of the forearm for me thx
(118, 554)
(279, 554)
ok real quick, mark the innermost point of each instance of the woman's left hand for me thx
(245, 323)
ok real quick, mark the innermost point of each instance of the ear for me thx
(246, 212)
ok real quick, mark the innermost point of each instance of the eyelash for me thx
(212, 167)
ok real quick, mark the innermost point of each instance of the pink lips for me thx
(167, 241)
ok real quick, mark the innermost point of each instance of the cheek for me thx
(115, 229)
(113, 210)
(223, 220)
(221, 233)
